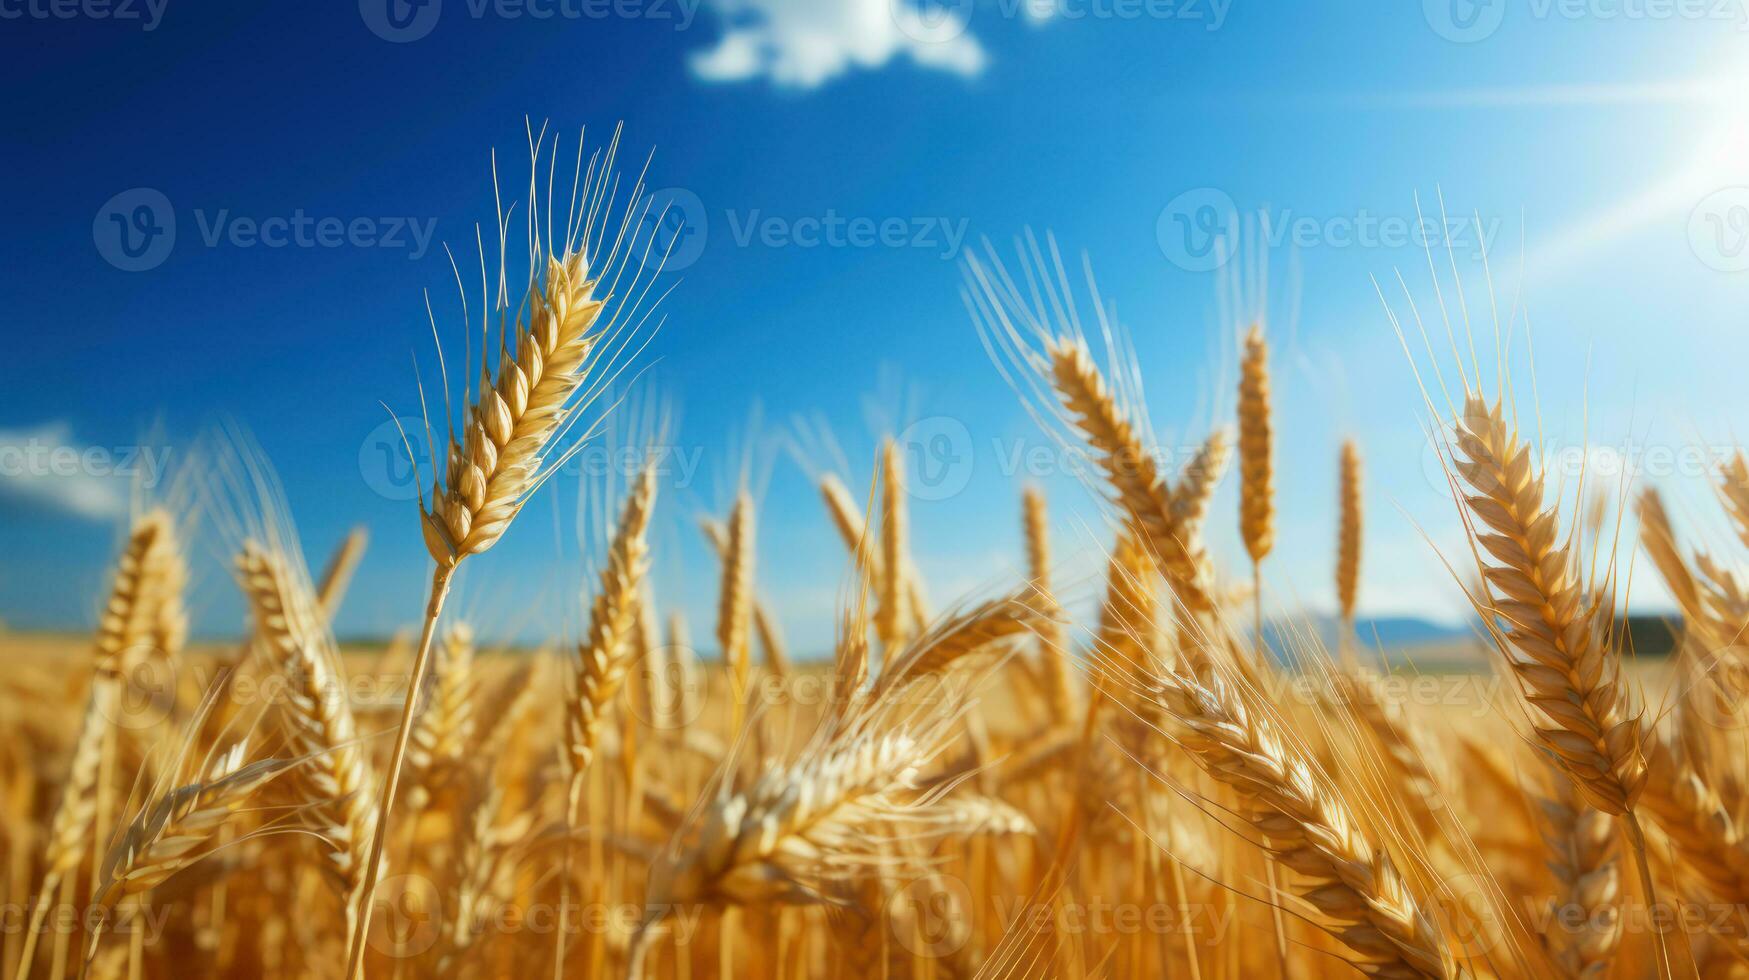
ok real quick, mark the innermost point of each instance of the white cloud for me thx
(805, 43)
(42, 465)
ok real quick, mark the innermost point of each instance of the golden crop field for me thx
(971, 786)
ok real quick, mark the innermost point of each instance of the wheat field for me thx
(1012, 784)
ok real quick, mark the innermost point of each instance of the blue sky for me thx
(1600, 148)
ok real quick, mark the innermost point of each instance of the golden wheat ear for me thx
(588, 304)
(1034, 335)
(1305, 825)
(1554, 634)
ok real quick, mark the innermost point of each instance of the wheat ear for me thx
(604, 657)
(517, 416)
(337, 573)
(1196, 485)
(1553, 633)
(1052, 643)
(317, 717)
(1131, 471)
(176, 829)
(1348, 533)
(604, 654)
(764, 622)
(735, 604)
(1733, 489)
(148, 579)
(444, 729)
(957, 637)
(1554, 636)
(1584, 861)
(1306, 826)
(1256, 438)
(891, 619)
(1701, 829)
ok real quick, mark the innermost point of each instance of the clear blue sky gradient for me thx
(1600, 149)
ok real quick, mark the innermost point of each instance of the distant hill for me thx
(1422, 640)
